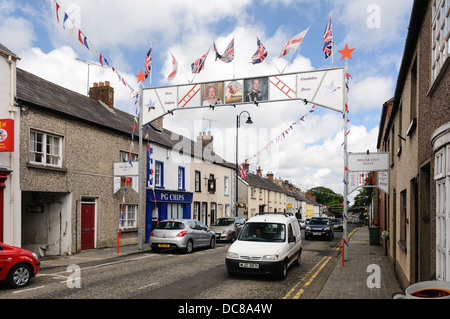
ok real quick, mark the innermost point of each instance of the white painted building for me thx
(10, 196)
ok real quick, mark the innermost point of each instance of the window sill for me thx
(49, 168)
(437, 81)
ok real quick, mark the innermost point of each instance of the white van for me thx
(268, 244)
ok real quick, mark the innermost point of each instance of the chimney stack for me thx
(246, 166)
(259, 171)
(270, 175)
(103, 92)
(205, 139)
(159, 122)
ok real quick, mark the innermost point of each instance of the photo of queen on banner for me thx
(212, 93)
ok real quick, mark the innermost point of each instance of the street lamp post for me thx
(238, 124)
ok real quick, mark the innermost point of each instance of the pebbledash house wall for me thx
(89, 152)
(434, 112)
(421, 106)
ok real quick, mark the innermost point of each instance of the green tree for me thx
(327, 197)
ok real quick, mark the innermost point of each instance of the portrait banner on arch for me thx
(326, 88)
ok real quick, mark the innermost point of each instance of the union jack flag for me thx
(228, 55)
(242, 172)
(260, 54)
(199, 64)
(148, 63)
(328, 39)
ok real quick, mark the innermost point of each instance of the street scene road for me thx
(176, 275)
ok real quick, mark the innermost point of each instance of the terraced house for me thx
(70, 182)
(415, 129)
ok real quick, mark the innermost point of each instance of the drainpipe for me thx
(12, 110)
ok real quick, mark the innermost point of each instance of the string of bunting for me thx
(67, 21)
(243, 172)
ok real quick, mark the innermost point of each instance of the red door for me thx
(87, 226)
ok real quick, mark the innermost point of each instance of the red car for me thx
(17, 265)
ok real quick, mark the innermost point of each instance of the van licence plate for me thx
(249, 265)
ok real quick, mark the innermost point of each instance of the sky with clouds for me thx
(122, 31)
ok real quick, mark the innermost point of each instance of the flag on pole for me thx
(148, 64)
(242, 172)
(293, 43)
(260, 54)
(199, 64)
(328, 40)
(228, 54)
(174, 70)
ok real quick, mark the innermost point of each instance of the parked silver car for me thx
(227, 228)
(185, 234)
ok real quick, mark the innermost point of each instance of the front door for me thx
(87, 226)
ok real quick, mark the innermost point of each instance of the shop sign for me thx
(7, 135)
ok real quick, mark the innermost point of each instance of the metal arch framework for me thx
(326, 88)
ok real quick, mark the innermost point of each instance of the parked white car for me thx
(268, 244)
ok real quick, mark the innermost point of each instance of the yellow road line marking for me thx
(306, 276)
(301, 291)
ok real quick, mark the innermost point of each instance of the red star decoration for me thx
(346, 53)
(141, 77)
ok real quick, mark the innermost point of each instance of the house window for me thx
(196, 213)
(181, 180)
(442, 179)
(440, 31)
(159, 174)
(204, 212)
(45, 149)
(127, 156)
(198, 178)
(403, 219)
(213, 212)
(175, 211)
(127, 216)
(252, 192)
(227, 210)
(226, 186)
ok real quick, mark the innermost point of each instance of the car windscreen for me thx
(264, 232)
(223, 222)
(318, 221)
(170, 225)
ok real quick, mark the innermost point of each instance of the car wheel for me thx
(189, 247)
(282, 275)
(212, 243)
(19, 276)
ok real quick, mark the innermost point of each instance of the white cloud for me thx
(370, 93)
(61, 67)
(17, 33)
(371, 24)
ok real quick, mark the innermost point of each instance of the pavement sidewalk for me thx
(364, 263)
(91, 255)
